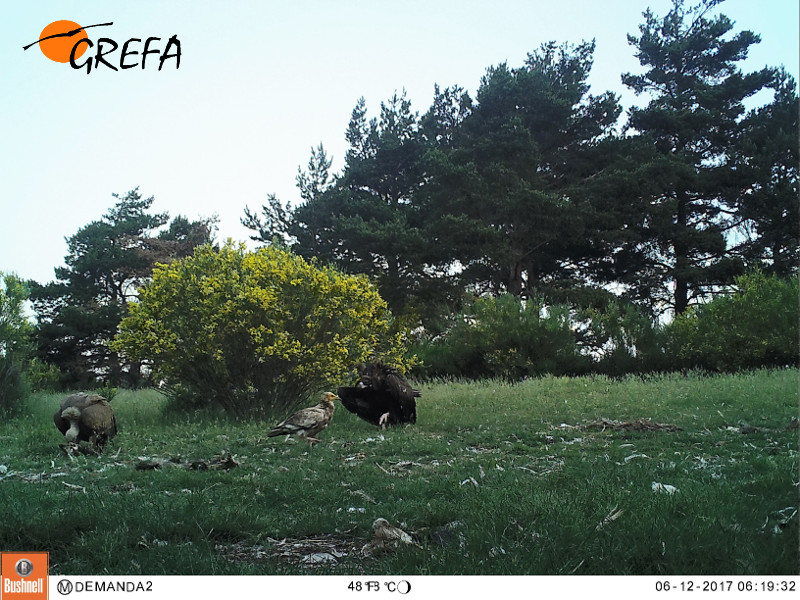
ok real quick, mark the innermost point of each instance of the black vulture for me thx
(381, 397)
(86, 418)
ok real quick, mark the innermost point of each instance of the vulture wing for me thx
(381, 391)
(403, 396)
(308, 421)
(365, 403)
(99, 419)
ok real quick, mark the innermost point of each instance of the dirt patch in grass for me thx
(224, 461)
(638, 425)
(304, 552)
(322, 550)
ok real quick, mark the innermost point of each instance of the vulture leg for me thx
(383, 420)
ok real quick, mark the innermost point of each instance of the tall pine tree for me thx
(515, 173)
(685, 140)
(108, 260)
(367, 219)
(766, 160)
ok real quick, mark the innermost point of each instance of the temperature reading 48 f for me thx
(400, 587)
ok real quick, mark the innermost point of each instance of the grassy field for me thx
(549, 476)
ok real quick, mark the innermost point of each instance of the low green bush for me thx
(505, 337)
(621, 339)
(13, 388)
(42, 376)
(755, 326)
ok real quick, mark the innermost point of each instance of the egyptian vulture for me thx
(381, 396)
(86, 418)
(386, 537)
(308, 422)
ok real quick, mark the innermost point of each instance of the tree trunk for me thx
(681, 258)
(780, 265)
(514, 285)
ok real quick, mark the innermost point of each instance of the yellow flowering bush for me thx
(258, 332)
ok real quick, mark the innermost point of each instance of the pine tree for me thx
(766, 160)
(368, 219)
(685, 138)
(514, 173)
(108, 261)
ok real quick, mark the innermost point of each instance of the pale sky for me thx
(259, 85)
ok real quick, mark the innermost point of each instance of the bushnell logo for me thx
(24, 567)
(24, 575)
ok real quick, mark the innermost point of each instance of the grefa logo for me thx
(67, 42)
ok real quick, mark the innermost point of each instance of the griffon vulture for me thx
(86, 418)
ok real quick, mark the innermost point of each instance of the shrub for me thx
(42, 376)
(755, 326)
(505, 337)
(257, 332)
(620, 338)
(13, 388)
(15, 345)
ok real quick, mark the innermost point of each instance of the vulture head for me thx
(86, 418)
(73, 416)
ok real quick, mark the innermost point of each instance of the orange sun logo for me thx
(58, 39)
(66, 41)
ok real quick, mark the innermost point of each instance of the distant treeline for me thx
(539, 188)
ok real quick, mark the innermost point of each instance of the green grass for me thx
(513, 474)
